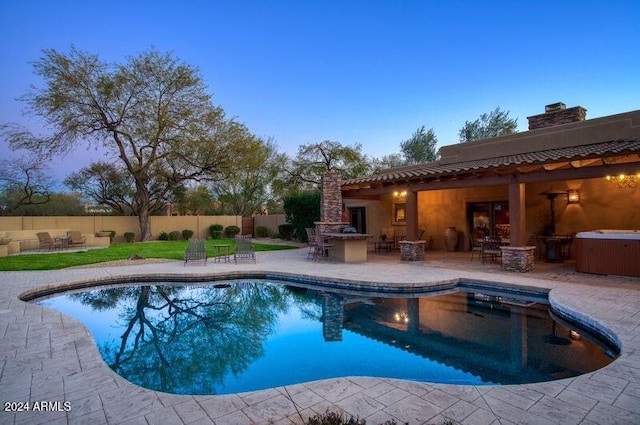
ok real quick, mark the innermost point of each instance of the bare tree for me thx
(152, 112)
(23, 181)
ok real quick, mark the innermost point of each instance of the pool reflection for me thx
(242, 336)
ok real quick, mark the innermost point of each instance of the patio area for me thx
(46, 356)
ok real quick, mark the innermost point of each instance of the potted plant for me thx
(128, 236)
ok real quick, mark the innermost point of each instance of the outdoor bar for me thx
(614, 252)
(349, 247)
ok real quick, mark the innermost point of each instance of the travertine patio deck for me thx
(46, 356)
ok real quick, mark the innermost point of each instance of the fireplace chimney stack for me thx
(557, 114)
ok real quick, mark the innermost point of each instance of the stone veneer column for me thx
(331, 197)
(518, 258)
(412, 250)
(330, 204)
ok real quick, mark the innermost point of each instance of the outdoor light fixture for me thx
(400, 194)
(625, 181)
(573, 196)
(402, 317)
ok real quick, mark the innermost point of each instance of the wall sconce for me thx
(397, 194)
(624, 181)
(573, 196)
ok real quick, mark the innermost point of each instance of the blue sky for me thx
(368, 72)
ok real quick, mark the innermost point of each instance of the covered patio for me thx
(516, 187)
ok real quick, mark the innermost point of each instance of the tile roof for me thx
(542, 157)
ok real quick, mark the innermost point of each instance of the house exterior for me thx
(506, 185)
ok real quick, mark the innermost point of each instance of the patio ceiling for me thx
(575, 162)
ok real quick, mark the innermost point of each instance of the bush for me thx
(174, 236)
(231, 231)
(286, 231)
(215, 230)
(302, 210)
(163, 236)
(186, 233)
(333, 418)
(262, 232)
(112, 234)
(128, 236)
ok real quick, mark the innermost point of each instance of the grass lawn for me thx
(173, 250)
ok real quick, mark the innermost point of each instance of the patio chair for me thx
(491, 248)
(46, 242)
(322, 250)
(389, 234)
(196, 251)
(244, 249)
(476, 246)
(311, 236)
(76, 239)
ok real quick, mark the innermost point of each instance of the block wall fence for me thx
(199, 224)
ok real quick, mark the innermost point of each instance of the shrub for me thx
(286, 231)
(333, 418)
(262, 232)
(174, 236)
(231, 231)
(163, 236)
(302, 210)
(215, 230)
(112, 234)
(186, 233)
(128, 236)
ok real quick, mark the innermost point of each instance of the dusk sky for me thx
(368, 72)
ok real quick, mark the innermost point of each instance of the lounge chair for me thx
(244, 249)
(76, 238)
(195, 251)
(46, 242)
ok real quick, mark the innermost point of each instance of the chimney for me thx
(556, 114)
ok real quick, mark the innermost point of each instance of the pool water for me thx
(236, 336)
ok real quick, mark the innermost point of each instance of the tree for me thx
(194, 200)
(104, 184)
(23, 181)
(152, 112)
(247, 190)
(59, 204)
(496, 123)
(421, 147)
(305, 170)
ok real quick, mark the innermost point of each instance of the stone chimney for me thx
(557, 114)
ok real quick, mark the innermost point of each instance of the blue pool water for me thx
(236, 336)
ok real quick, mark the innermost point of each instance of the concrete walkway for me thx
(48, 357)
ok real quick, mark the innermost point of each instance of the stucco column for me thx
(411, 215)
(517, 233)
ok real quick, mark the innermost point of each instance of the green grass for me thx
(173, 250)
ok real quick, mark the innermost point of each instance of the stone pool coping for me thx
(47, 356)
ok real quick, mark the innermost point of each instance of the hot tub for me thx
(608, 251)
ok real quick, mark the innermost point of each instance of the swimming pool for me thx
(244, 335)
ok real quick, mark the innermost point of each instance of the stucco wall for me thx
(120, 224)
